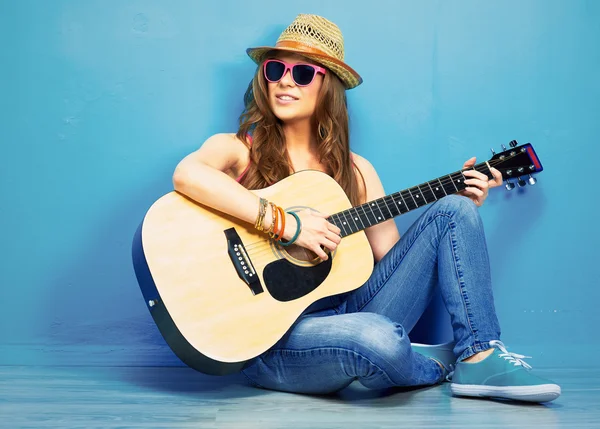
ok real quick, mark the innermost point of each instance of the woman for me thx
(296, 118)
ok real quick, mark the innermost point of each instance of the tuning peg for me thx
(513, 143)
(509, 185)
(521, 182)
(503, 147)
(493, 152)
(532, 180)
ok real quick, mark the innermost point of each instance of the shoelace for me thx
(511, 357)
(514, 358)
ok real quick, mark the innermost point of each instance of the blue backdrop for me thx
(101, 99)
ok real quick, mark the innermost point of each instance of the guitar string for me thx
(262, 250)
(381, 204)
(362, 217)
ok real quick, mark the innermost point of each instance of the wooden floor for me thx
(178, 397)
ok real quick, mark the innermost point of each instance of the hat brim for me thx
(347, 74)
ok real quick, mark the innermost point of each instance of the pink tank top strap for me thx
(241, 176)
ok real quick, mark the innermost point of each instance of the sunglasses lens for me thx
(303, 74)
(274, 70)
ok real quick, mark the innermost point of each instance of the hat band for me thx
(300, 46)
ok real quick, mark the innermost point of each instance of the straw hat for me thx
(318, 39)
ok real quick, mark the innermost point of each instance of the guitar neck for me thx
(374, 212)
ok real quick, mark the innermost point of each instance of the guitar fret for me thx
(341, 225)
(410, 202)
(374, 220)
(418, 198)
(380, 211)
(448, 187)
(397, 204)
(353, 220)
(431, 189)
(372, 212)
(413, 198)
(367, 214)
(461, 182)
(442, 186)
(438, 189)
(393, 205)
(350, 220)
(423, 194)
(452, 180)
(358, 216)
(400, 204)
(346, 222)
(385, 217)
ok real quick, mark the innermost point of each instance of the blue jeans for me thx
(363, 335)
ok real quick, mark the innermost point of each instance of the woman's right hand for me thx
(316, 231)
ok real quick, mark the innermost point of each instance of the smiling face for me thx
(288, 101)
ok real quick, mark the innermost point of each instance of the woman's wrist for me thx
(290, 226)
(296, 231)
(281, 226)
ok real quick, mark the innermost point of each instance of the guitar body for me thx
(190, 274)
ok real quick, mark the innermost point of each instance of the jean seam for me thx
(463, 292)
(410, 245)
(252, 381)
(337, 349)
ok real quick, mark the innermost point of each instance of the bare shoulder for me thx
(362, 163)
(227, 141)
(225, 152)
(366, 168)
(374, 188)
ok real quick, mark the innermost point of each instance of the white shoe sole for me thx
(540, 393)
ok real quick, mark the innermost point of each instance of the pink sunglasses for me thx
(302, 74)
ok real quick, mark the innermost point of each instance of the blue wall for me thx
(101, 99)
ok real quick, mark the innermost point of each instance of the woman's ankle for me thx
(478, 357)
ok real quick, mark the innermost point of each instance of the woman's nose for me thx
(287, 78)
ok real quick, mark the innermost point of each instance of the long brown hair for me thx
(269, 159)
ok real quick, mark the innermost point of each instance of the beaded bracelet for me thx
(262, 210)
(275, 219)
(298, 230)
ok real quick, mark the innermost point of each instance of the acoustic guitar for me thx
(222, 293)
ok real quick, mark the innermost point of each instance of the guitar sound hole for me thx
(302, 253)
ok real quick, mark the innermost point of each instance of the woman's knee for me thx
(379, 341)
(457, 203)
(458, 206)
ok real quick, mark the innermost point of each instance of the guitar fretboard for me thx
(373, 212)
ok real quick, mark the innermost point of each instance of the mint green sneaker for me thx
(502, 375)
(442, 353)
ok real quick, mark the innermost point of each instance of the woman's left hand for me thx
(478, 185)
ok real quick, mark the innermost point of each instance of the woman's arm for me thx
(202, 177)
(383, 236)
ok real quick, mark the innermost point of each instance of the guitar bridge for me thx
(241, 261)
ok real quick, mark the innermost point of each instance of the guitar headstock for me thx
(516, 162)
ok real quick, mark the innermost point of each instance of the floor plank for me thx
(176, 397)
